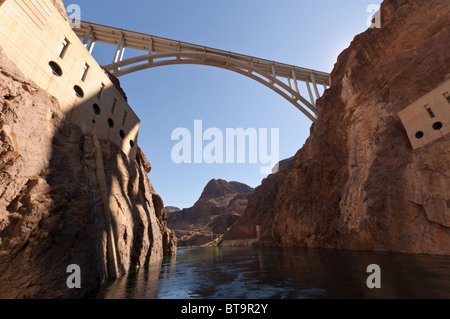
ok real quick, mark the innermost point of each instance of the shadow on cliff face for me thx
(52, 207)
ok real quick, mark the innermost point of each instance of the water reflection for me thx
(269, 273)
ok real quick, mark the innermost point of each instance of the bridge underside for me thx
(282, 78)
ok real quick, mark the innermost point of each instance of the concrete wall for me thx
(428, 118)
(32, 34)
(239, 242)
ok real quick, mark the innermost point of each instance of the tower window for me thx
(125, 118)
(56, 69)
(110, 122)
(96, 109)
(429, 110)
(84, 72)
(437, 126)
(63, 49)
(78, 91)
(114, 105)
(100, 93)
(447, 97)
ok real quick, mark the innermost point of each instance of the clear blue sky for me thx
(306, 33)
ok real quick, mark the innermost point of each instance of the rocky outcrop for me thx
(219, 206)
(172, 209)
(357, 183)
(54, 208)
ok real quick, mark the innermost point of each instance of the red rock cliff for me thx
(357, 183)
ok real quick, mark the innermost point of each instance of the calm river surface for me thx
(273, 273)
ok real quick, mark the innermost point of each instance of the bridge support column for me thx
(88, 36)
(290, 85)
(295, 81)
(311, 97)
(316, 90)
(91, 46)
(119, 50)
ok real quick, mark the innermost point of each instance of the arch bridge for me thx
(280, 77)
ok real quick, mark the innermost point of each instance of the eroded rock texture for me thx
(357, 183)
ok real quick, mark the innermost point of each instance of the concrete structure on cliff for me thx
(40, 42)
(428, 118)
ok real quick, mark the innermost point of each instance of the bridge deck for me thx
(150, 43)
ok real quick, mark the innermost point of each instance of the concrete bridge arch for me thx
(282, 78)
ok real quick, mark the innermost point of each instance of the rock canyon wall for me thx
(357, 183)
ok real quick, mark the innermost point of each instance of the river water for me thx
(274, 273)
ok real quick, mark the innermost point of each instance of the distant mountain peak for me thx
(219, 207)
(220, 188)
(172, 209)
